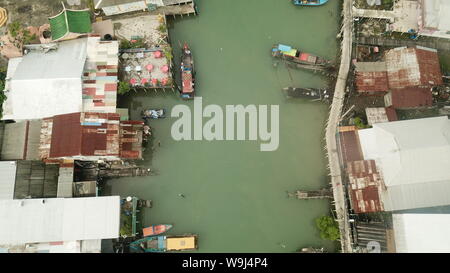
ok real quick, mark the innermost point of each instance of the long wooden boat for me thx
(165, 243)
(313, 94)
(155, 230)
(302, 59)
(187, 73)
(309, 2)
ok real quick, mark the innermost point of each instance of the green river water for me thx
(236, 197)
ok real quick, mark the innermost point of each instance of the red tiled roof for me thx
(410, 97)
(372, 81)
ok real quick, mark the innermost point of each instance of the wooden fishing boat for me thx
(187, 73)
(155, 230)
(165, 243)
(302, 59)
(309, 2)
(313, 94)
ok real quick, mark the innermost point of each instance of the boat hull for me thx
(155, 230)
(187, 73)
(165, 243)
(309, 3)
(299, 58)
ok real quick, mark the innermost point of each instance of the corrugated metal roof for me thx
(131, 139)
(21, 140)
(14, 139)
(66, 137)
(380, 114)
(413, 67)
(59, 219)
(411, 97)
(36, 179)
(70, 21)
(421, 233)
(100, 76)
(8, 178)
(35, 86)
(81, 134)
(376, 115)
(413, 156)
(372, 81)
(365, 183)
(349, 143)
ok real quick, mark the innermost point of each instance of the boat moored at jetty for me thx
(187, 73)
(155, 230)
(301, 59)
(165, 243)
(309, 2)
(154, 113)
(313, 94)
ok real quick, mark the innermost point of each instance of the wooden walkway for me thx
(332, 126)
(439, 44)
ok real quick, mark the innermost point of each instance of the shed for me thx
(21, 140)
(70, 24)
(35, 81)
(59, 219)
(380, 114)
(409, 97)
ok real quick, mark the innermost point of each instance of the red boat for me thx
(187, 73)
(155, 230)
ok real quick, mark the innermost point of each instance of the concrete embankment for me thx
(332, 124)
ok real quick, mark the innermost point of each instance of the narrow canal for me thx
(235, 195)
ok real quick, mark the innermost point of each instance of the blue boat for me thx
(309, 2)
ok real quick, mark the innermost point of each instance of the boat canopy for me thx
(285, 48)
(181, 243)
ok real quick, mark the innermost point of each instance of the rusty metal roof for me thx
(66, 135)
(375, 81)
(131, 139)
(90, 134)
(410, 97)
(349, 144)
(403, 67)
(413, 67)
(365, 184)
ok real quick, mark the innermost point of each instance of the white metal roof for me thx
(7, 179)
(59, 219)
(437, 14)
(420, 232)
(414, 159)
(46, 84)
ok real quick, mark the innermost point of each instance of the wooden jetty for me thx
(305, 195)
(93, 171)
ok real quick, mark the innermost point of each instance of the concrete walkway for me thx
(331, 130)
(373, 13)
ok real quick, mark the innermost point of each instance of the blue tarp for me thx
(284, 47)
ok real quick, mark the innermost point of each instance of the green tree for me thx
(329, 229)
(123, 88)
